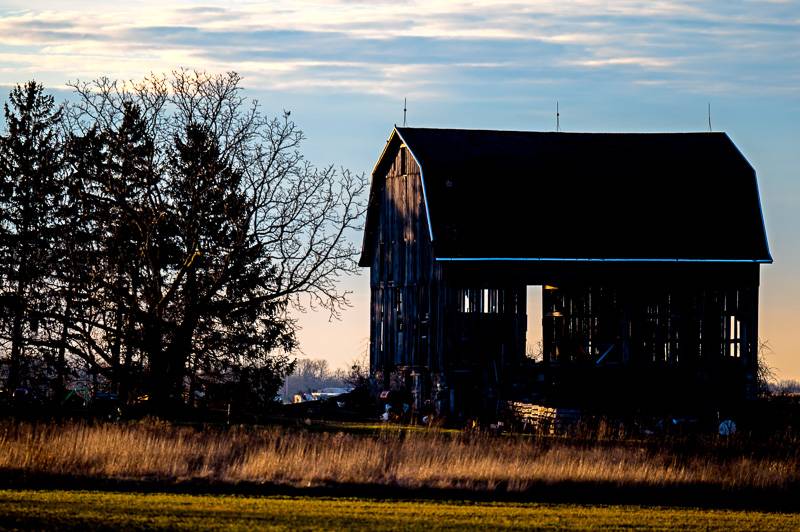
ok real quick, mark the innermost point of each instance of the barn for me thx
(646, 246)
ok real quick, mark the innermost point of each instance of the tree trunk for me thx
(14, 370)
(116, 344)
(177, 357)
(158, 367)
(126, 381)
(61, 365)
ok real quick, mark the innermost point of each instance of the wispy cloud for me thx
(414, 47)
(643, 62)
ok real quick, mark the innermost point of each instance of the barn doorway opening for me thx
(534, 347)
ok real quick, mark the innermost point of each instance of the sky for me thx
(344, 67)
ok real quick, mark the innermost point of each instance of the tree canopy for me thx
(156, 237)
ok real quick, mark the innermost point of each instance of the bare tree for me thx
(301, 215)
(765, 373)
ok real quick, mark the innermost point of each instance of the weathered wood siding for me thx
(403, 304)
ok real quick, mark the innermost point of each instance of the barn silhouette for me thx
(647, 247)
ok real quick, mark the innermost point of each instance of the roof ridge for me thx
(482, 130)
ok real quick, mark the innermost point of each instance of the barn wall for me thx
(662, 325)
(403, 323)
(703, 339)
(622, 331)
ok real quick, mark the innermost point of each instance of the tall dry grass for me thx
(159, 451)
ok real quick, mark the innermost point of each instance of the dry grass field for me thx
(154, 451)
(87, 510)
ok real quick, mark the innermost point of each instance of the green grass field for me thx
(92, 510)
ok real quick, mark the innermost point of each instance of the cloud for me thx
(644, 62)
(417, 47)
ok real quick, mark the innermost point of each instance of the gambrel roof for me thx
(519, 195)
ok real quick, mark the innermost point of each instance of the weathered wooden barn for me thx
(647, 246)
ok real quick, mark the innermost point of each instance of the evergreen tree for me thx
(31, 163)
(114, 190)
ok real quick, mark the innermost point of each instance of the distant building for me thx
(327, 393)
(324, 393)
(647, 246)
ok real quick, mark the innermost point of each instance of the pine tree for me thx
(115, 219)
(31, 163)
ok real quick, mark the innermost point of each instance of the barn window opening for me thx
(700, 338)
(379, 317)
(463, 300)
(399, 308)
(733, 336)
(481, 300)
(534, 333)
